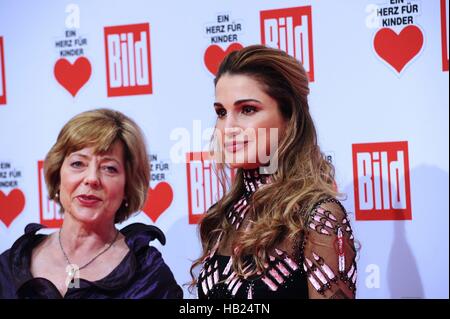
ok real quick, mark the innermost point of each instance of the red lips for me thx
(88, 199)
(235, 146)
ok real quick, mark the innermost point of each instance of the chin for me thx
(249, 166)
(241, 160)
(85, 215)
(241, 163)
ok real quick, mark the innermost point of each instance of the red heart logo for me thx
(72, 76)
(214, 56)
(11, 206)
(398, 49)
(158, 200)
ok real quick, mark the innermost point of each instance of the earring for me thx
(57, 195)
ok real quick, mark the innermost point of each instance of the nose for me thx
(92, 177)
(231, 127)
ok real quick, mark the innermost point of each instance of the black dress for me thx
(141, 274)
(319, 263)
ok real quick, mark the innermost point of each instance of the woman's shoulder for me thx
(138, 235)
(329, 217)
(14, 261)
(147, 264)
(6, 278)
(331, 205)
(24, 240)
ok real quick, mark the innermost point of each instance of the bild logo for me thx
(381, 181)
(290, 30)
(204, 188)
(49, 214)
(128, 63)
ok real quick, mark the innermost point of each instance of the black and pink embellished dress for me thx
(320, 263)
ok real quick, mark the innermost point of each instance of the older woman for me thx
(279, 232)
(98, 171)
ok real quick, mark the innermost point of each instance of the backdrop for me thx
(379, 98)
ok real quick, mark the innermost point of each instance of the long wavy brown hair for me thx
(303, 178)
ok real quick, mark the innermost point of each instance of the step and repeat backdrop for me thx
(379, 98)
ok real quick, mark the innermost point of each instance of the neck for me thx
(79, 238)
(253, 179)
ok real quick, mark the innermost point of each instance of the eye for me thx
(221, 112)
(110, 169)
(248, 109)
(76, 164)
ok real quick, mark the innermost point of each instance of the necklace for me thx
(73, 269)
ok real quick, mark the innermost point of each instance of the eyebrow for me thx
(218, 104)
(109, 158)
(106, 158)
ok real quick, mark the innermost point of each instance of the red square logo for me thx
(48, 209)
(2, 74)
(444, 34)
(381, 181)
(290, 30)
(128, 63)
(204, 188)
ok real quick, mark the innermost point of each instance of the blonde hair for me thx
(303, 178)
(100, 129)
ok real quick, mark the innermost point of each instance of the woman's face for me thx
(93, 185)
(249, 122)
